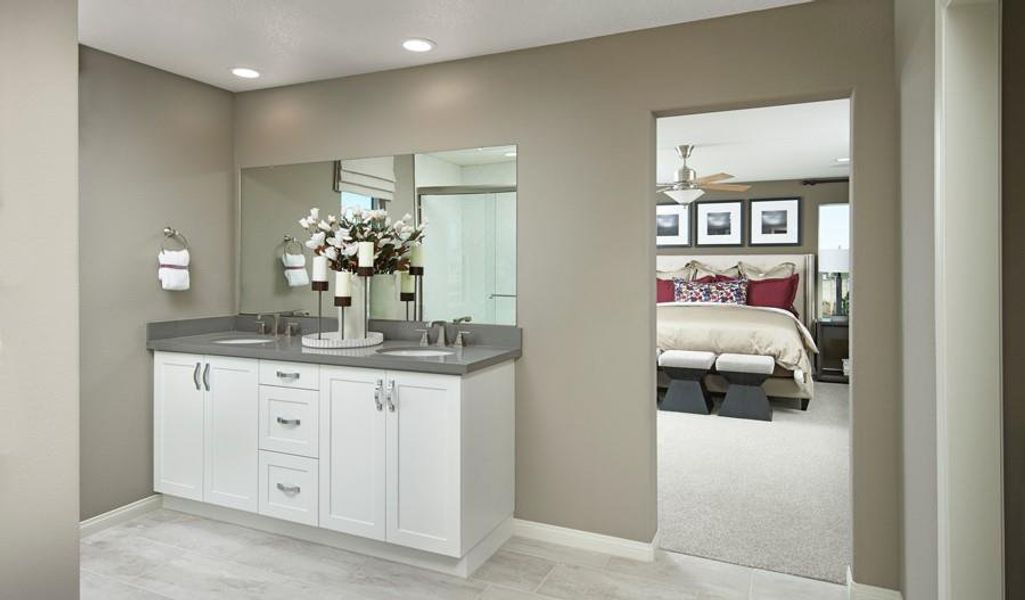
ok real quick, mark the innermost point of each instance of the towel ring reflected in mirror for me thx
(172, 234)
(291, 242)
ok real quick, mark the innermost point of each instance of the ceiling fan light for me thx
(684, 196)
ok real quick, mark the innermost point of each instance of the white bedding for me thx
(741, 329)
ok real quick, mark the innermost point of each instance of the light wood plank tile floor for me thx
(169, 555)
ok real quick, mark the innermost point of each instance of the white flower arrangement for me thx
(336, 238)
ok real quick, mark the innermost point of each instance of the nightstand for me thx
(831, 335)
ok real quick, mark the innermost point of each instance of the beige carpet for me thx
(773, 495)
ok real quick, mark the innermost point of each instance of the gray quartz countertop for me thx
(461, 361)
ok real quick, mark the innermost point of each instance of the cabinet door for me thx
(352, 448)
(423, 462)
(232, 426)
(178, 424)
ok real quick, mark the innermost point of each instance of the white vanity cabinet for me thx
(205, 428)
(414, 460)
(420, 460)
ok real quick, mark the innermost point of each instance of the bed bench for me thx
(686, 370)
(745, 374)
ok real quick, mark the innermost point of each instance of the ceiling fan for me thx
(689, 187)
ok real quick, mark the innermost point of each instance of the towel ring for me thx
(170, 233)
(290, 242)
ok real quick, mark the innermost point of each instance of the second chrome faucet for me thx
(441, 335)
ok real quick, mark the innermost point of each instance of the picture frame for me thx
(775, 221)
(672, 225)
(719, 223)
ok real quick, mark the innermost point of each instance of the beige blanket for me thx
(736, 328)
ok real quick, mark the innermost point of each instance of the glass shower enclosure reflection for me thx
(470, 253)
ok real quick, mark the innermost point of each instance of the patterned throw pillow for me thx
(723, 292)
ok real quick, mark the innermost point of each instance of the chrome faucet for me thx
(440, 340)
(261, 325)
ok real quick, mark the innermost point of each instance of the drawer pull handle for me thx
(285, 421)
(289, 489)
(378, 389)
(283, 375)
(391, 396)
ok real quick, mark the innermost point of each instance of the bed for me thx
(732, 328)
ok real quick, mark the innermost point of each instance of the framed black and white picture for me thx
(672, 225)
(719, 223)
(775, 222)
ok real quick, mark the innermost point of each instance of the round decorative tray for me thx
(331, 339)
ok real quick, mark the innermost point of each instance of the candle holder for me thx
(342, 302)
(407, 297)
(366, 273)
(418, 293)
(320, 287)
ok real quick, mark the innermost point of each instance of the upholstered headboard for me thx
(805, 300)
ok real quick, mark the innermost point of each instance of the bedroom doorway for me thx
(753, 290)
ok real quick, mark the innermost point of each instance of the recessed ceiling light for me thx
(245, 73)
(843, 160)
(418, 45)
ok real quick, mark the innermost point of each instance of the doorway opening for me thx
(753, 278)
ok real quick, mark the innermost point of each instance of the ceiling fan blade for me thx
(713, 178)
(725, 187)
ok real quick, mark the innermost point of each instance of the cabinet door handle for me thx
(377, 394)
(391, 396)
(195, 376)
(283, 375)
(285, 421)
(206, 376)
(289, 489)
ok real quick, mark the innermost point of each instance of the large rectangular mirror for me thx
(466, 200)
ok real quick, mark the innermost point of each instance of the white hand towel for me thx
(295, 269)
(173, 271)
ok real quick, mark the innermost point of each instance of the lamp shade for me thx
(834, 260)
(684, 196)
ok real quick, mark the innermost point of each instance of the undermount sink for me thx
(244, 341)
(415, 352)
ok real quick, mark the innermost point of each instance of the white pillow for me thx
(703, 270)
(686, 273)
(779, 271)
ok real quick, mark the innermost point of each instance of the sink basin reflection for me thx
(415, 352)
(244, 341)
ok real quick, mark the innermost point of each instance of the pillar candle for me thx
(343, 284)
(365, 254)
(319, 268)
(416, 255)
(407, 283)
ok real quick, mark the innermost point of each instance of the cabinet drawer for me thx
(289, 420)
(287, 374)
(288, 487)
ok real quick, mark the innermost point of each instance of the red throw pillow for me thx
(665, 290)
(775, 293)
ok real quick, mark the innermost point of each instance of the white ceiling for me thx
(291, 41)
(793, 141)
(476, 156)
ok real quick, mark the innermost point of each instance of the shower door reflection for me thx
(470, 253)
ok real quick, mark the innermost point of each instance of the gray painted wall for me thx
(812, 196)
(915, 58)
(1013, 291)
(38, 300)
(581, 114)
(156, 150)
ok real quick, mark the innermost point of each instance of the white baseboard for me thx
(586, 540)
(860, 591)
(119, 515)
(460, 567)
